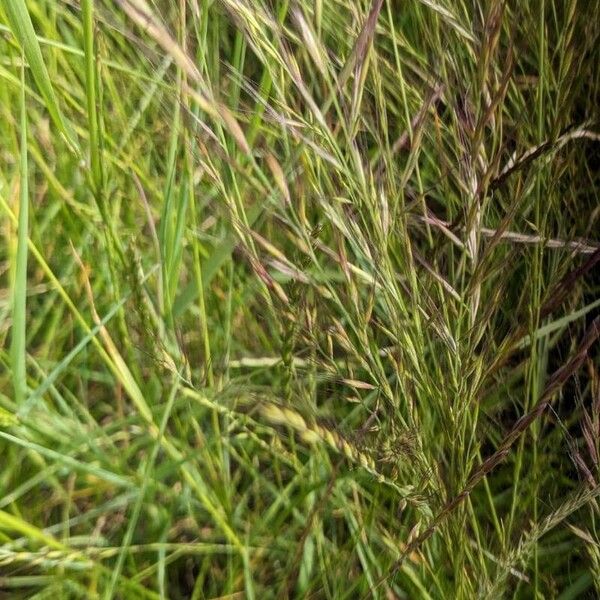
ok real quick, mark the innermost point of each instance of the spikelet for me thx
(313, 433)
(46, 557)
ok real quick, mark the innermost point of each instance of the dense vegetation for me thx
(298, 298)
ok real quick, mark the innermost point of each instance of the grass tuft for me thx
(299, 299)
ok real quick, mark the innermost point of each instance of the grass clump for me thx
(299, 299)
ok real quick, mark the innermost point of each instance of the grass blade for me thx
(19, 300)
(22, 28)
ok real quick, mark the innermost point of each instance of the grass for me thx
(299, 299)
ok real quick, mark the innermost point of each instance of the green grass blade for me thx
(87, 9)
(22, 28)
(19, 307)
